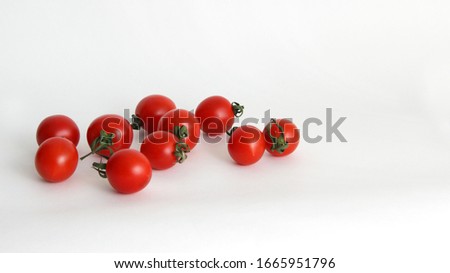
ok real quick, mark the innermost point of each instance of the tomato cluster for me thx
(171, 133)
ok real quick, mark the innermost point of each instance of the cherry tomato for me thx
(58, 126)
(246, 145)
(281, 136)
(150, 110)
(164, 150)
(178, 118)
(216, 114)
(115, 124)
(56, 159)
(128, 171)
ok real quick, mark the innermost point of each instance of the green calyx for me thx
(136, 122)
(279, 144)
(238, 109)
(181, 132)
(181, 148)
(102, 142)
(180, 151)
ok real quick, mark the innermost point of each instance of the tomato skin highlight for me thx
(58, 126)
(291, 136)
(246, 145)
(159, 148)
(128, 171)
(56, 159)
(216, 115)
(150, 110)
(120, 127)
(180, 117)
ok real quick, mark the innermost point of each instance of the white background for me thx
(379, 202)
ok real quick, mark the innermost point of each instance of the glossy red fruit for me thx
(56, 159)
(282, 137)
(164, 150)
(58, 126)
(150, 110)
(128, 171)
(115, 124)
(246, 145)
(180, 117)
(216, 114)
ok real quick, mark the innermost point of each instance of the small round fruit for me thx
(216, 114)
(58, 126)
(164, 150)
(282, 137)
(246, 145)
(150, 110)
(56, 159)
(128, 171)
(179, 118)
(115, 124)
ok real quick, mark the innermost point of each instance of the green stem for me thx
(229, 133)
(102, 142)
(100, 168)
(238, 109)
(136, 122)
(85, 156)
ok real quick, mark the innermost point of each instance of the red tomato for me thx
(282, 137)
(164, 150)
(58, 126)
(115, 124)
(178, 118)
(150, 110)
(246, 145)
(216, 114)
(56, 159)
(128, 171)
